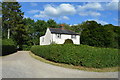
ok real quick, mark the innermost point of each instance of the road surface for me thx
(22, 65)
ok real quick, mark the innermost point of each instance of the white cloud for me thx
(65, 9)
(65, 18)
(98, 21)
(33, 11)
(92, 6)
(39, 16)
(112, 6)
(33, 4)
(115, 0)
(89, 13)
(89, 9)
(61, 10)
(116, 19)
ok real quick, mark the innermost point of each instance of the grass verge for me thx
(112, 69)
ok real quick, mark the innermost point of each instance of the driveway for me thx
(22, 65)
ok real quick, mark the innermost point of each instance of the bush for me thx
(8, 46)
(26, 47)
(68, 41)
(79, 55)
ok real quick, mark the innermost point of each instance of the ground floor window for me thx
(43, 40)
(73, 36)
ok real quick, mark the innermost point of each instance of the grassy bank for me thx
(79, 55)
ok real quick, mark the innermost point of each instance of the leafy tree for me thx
(0, 27)
(13, 21)
(52, 23)
(0, 9)
(95, 34)
(111, 38)
(29, 27)
(40, 29)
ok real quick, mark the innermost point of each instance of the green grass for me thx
(79, 55)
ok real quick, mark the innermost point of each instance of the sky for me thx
(72, 13)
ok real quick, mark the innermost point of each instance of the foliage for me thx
(8, 46)
(13, 19)
(26, 47)
(95, 34)
(79, 55)
(0, 8)
(37, 29)
(68, 41)
(52, 23)
(29, 27)
(27, 32)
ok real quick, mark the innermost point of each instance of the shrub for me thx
(8, 46)
(26, 47)
(68, 41)
(79, 55)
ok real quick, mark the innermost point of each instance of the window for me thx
(43, 40)
(58, 35)
(73, 36)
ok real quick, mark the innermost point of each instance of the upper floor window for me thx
(58, 35)
(43, 40)
(73, 36)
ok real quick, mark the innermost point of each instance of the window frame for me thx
(58, 35)
(42, 39)
(73, 36)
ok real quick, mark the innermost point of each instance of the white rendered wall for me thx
(47, 38)
(64, 37)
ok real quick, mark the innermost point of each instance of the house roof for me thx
(62, 31)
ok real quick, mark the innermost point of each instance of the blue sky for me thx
(72, 12)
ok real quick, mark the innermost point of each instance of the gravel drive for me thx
(22, 65)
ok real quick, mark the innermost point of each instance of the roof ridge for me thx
(59, 30)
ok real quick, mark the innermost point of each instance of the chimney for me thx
(62, 26)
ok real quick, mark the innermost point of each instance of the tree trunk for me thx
(8, 33)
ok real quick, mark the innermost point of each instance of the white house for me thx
(58, 36)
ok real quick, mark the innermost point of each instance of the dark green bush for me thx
(8, 47)
(26, 47)
(79, 55)
(68, 41)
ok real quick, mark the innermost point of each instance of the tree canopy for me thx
(26, 31)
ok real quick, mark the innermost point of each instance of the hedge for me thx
(8, 47)
(79, 55)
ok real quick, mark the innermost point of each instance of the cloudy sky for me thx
(72, 12)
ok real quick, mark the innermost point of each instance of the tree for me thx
(95, 34)
(40, 29)
(111, 39)
(0, 9)
(29, 27)
(13, 22)
(52, 23)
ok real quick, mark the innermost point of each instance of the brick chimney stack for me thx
(62, 26)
